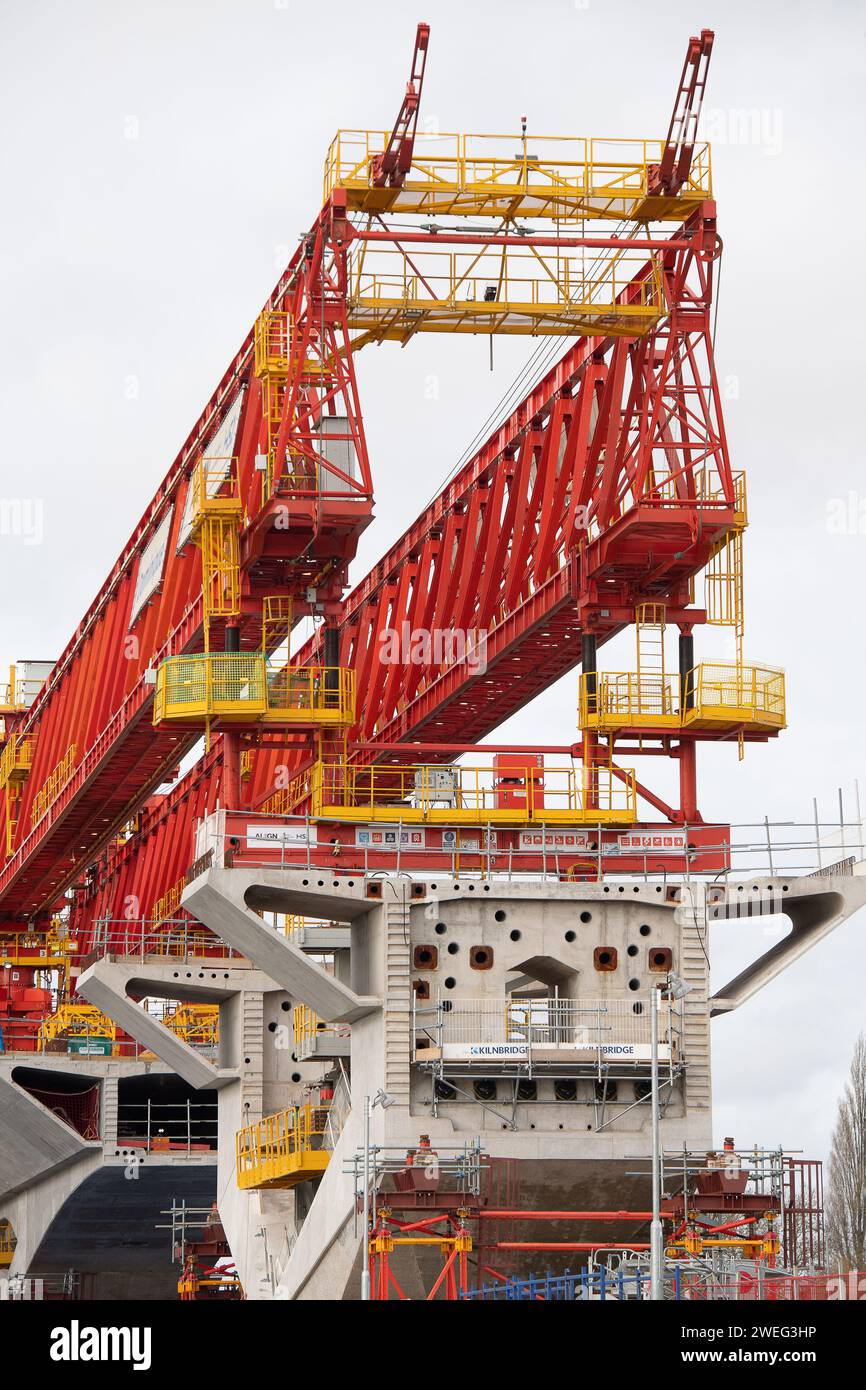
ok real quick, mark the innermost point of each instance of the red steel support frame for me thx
(506, 549)
(584, 503)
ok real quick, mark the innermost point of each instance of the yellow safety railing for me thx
(502, 290)
(307, 1024)
(7, 1243)
(307, 1027)
(243, 688)
(699, 486)
(283, 801)
(627, 697)
(75, 1018)
(272, 343)
(457, 795)
(724, 597)
(16, 759)
(283, 1149)
(44, 951)
(53, 786)
(216, 515)
(196, 1024)
(728, 692)
(19, 692)
(293, 925)
(168, 904)
(278, 616)
(723, 693)
(504, 176)
(214, 489)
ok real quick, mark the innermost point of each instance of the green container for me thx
(89, 1047)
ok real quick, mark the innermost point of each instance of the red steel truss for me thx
(607, 488)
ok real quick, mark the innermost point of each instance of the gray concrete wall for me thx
(303, 1244)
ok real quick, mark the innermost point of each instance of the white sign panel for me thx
(653, 841)
(503, 1052)
(385, 837)
(279, 836)
(492, 1052)
(458, 839)
(554, 840)
(219, 449)
(150, 566)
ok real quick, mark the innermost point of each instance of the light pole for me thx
(656, 1291)
(380, 1098)
(676, 989)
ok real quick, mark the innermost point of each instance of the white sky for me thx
(160, 159)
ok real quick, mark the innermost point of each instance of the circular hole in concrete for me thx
(515, 935)
(644, 929)
(453, 948)
(440, 928)
(450, 982)
(586, 916)
(634, 984)
(571, 936)
(499, 915)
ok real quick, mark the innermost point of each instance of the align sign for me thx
(280, 836)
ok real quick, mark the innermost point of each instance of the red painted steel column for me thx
(688, 781)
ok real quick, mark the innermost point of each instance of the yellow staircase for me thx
(16, 761)
(217, 512)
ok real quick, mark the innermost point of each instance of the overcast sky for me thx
(160, 159)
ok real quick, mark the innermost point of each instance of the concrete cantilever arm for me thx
(218, 899)
(815, 907)
(105, 985)
(36, 1143)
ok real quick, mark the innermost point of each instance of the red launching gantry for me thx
(604, 501)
